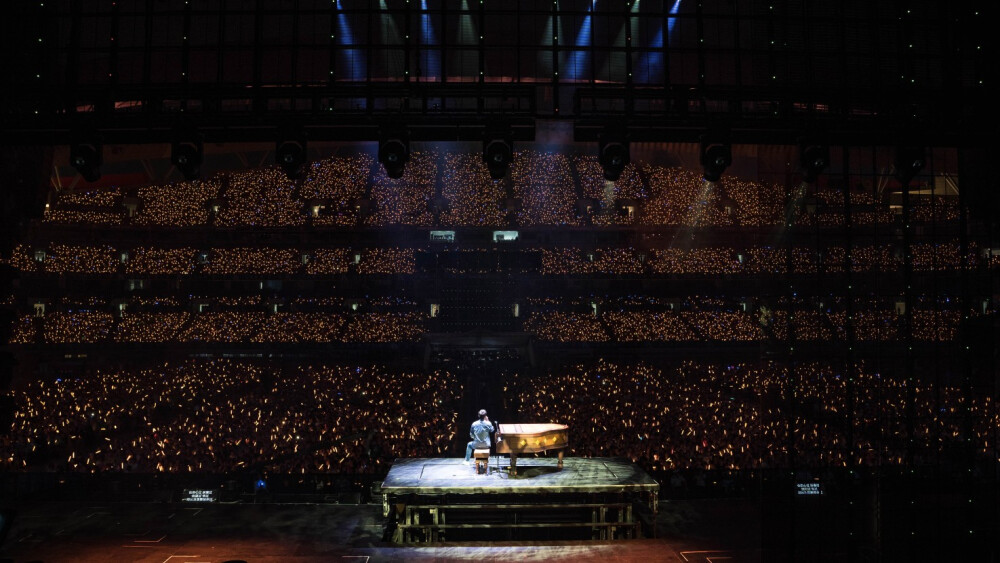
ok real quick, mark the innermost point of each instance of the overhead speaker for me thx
(187, 157)
(716, 156)
(814, 159)
(498, 150)
(909, 162)
(394, 151)
(87, 158)
(290, 155)
(613, 152)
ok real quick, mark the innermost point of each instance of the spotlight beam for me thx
(354, 58)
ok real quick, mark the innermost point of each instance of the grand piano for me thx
(517, 439)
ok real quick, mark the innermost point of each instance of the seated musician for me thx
(480, 434)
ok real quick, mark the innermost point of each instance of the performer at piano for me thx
(480, 434)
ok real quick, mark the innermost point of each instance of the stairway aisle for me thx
(482, 380)
(472, 304)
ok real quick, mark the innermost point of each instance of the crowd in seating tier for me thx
(261, 198)
(336, 184)
(220, 416)
(544, 184)
(405, 201)
(183, 204)
(548, 185)
(730, 416)
(472, 198)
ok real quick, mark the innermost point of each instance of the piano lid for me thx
(529, 429)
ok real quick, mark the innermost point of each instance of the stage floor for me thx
(535, 475)
(81, 532)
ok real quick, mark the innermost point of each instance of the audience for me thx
(223, 416)
(544, 184)
(405, 201)
(72, 259)
(267, 261)
(473, 198)
(739, 416)
(228, 416)
(160, 261)
(260, 198)
(248, 319)
(566, 327)
(335, 185)
(548, 185)
(184, 204)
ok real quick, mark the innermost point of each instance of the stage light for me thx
(814, 158)
(716, 156)
(394, 151)
(291, 156)
(498, 150)
(187, 156)
(87, 158)
(909, 163)
(613, 152)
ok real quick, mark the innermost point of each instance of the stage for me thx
(589, 498)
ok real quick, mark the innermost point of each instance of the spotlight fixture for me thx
(613, 153)
(86, 158)
(909, 163)
(291, 156)
(394, 151)
(814, 159)
(187, 155)
(498, 150)
(716, 156)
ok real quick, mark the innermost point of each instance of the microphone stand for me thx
(496, 446)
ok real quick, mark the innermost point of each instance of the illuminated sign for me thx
(503, 236)
(442, 236)
(199, 495)
(808, 489)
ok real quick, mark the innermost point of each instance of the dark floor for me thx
(689, 531)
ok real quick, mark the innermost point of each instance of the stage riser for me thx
(593, 521)
(441, 500)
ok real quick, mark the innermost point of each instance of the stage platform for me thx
(589, 498)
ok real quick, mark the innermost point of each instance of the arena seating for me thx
(727, 267)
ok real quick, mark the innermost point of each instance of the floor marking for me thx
(365, 557)
(197, 511)
(147, 546)
(95, 514)
(157, 541)
(705, 551)
(172, 556)
(713, 559)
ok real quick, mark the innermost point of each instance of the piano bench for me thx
(482, 457)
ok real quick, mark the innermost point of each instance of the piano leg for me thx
(513, 463)
(560, 459)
